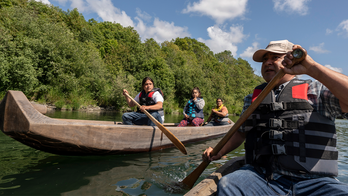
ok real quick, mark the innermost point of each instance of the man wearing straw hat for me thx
(290, 139)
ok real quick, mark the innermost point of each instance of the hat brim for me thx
(258, 55)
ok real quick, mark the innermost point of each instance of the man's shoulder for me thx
(315, 87)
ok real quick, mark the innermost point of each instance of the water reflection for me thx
(26, 171)
(134, 174)
(342, 127)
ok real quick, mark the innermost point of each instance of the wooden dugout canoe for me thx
(21, 121)
(208, 186)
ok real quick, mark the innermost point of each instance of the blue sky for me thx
(241, 26)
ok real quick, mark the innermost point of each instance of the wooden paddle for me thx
(190, 180)
(169, 134)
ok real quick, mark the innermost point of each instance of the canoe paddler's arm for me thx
(129, 101)
(234, 142)
(336, 82)
(223, 112)
(157, 106)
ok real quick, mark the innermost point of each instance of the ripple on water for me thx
(342, 146)
(136, 174)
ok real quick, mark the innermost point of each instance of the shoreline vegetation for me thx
(58, 58)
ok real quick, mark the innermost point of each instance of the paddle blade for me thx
(169, 134)
(190, 180)
(174, 140)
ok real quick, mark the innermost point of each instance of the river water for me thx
(26, 171)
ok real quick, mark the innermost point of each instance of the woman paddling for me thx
(150, 99)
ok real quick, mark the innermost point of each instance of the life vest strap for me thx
(279, 149)
(274, 123)
(295, 137)
(283, 106)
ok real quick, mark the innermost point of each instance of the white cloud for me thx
(222, 40)
(104, 9)
(219, 10)
(80, 5)
(44, 1)
(143, 15)
(108, 12)
(328, 31)
(61, 2)
(334, 68)
(291, 6)
(343, 28)
(249, 52)
(319, 48)
(161, 30)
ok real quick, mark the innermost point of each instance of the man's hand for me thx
(206, 156)
(302, 68)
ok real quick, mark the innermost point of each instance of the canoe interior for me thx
(21, 121)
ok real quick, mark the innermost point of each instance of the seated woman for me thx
(219, 115)
(150, 99)
(193, 111)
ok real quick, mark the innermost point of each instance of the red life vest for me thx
(146, 99)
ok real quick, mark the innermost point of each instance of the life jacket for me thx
(192, 111)
(146, 99)
(288, 131)
(218, 118)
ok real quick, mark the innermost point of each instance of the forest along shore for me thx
(55, 56)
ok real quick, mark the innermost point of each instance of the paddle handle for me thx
(190, 180)
(169, 134)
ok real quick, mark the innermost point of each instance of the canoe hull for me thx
(20, 120)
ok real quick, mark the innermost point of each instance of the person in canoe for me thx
(218, 115)
(193, 110)
(290, 139)
(150, 99)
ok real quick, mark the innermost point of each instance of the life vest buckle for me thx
(275, 123)
(278, 149)
(276, 106)
(276, 135)
(143, 101)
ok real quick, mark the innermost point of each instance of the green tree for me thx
(57, 56)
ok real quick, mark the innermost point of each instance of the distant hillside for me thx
(58, 57)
